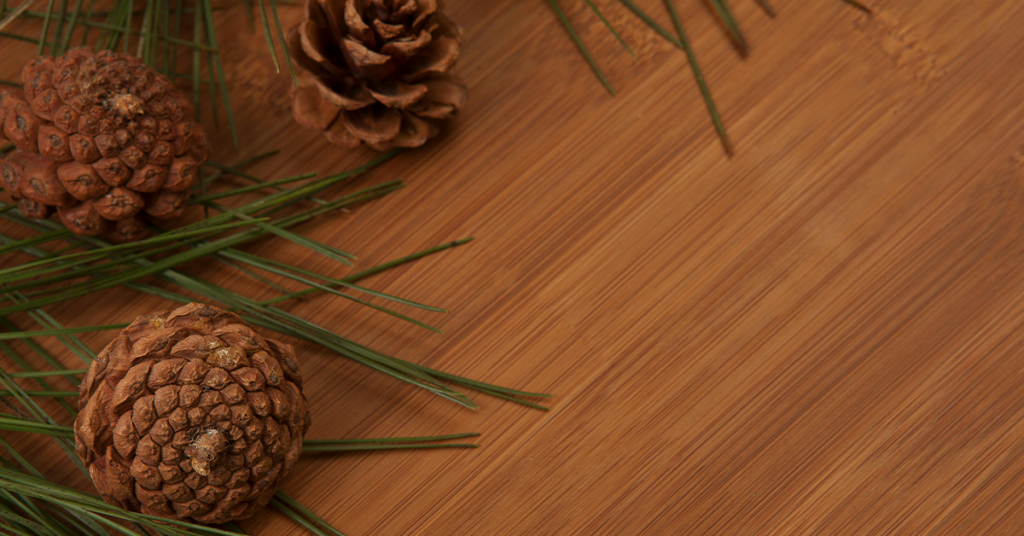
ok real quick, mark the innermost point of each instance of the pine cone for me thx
(376, 71)
(102, 139)
(189, 414)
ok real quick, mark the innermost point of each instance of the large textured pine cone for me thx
(102, 139)
(191, 415)
(376, 71)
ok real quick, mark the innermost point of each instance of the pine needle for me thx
(364, 448)
(372, 440)
(372, 271)
(387, 443)
(593, 7)
(266, 33)
(289, 502)
(63, 331)
(93, 507)
(767, 8)
(54, 394)
(71, 28)
(288, 512)
(217, 72)
(46, 27)
(48, 373)
(699, 76)
(284, 43)
(14, 14)
(582, 47)
(860, 6)
(650, 22)
(727, 18)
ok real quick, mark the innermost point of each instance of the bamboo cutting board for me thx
(821, 335)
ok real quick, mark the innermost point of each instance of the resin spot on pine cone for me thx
(93, 132)
(376, 71)
(190, 414)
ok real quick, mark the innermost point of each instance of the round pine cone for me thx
(102, 139)
(376, 71)
(189, 414)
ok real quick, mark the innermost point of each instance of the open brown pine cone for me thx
(189, 414)
(376, 71)
(101, 139)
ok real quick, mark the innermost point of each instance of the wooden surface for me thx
(820, 336)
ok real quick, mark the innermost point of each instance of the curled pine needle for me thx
(582, 47)
(699, 76)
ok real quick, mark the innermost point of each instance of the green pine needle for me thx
(727, 18)
(364, 448)
(318, 528)
(387, 443)
(594, 8)
(268, 35)
(767, 8)
(699, 76)
(650, 22)
(582, 47)
(284, 43)
(62, 331)
(289, 502)
(55, 394)
(385, 440)
(48, 373)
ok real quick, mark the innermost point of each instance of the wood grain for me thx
(820, 336)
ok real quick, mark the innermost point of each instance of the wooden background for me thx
(820, 336)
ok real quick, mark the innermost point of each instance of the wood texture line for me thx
(822, 335)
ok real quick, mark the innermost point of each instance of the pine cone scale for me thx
(373, 125)
(339, 134)
(395, 94)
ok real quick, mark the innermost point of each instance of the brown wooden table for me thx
(821, 335)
